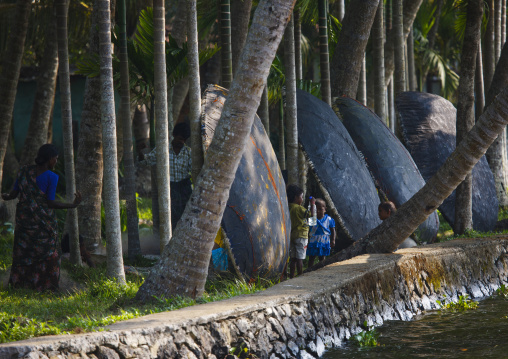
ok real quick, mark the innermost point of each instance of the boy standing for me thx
(299, 229)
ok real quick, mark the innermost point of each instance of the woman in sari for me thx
(36, 261)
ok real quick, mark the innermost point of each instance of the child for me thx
(385, 210)
(299, 229)
(322, 235)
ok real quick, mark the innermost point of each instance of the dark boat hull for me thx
(256, 219)
(428, 126)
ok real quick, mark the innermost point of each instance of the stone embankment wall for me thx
(300, 317)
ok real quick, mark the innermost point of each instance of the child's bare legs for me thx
(313, 258)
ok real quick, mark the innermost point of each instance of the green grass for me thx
(25, 314)
(463, 304)
(366, 338)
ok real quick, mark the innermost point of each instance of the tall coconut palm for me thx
(361, 95)
(133, 244)
(179, 32)
(465, 109)
(89, 161)
(225, 43)
(387, 237)
(324, 56)
(182, 269)
(194, 91)
(11, 66)
(378, 33)
(290, 111)
(497, 28)
(298, 47)
(349, 52)
(161, 119)
(264, 110)
(44, 101)
(62, 8)
(489, 49)
(111, 197)
(411, 72)
(479, 90)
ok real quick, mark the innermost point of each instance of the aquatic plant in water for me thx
(464, 303)
(367, 337)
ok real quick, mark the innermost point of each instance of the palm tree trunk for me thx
(341, 9)
(62, 8)
(362, 84)
(225, 40)
(42, 110)
(399, 75)
(324, 55)
(133, 244)
(465, 110)
(11, 66)
(111, 197)
(184, 263)
(89, 161)
(282, 141)
(378, 33)
(391, 105)
(298, 47)
(503, 23)
(431, 36)
(495, 157)
(291, 127)
(489, 48)
(179, 32)
(410, 9)
(350, 49)
(479, 90)
(412, 86)
(240, 17)
(161, 120)
(264, 111)
(497, 28)
(387, 237)
(195, 91)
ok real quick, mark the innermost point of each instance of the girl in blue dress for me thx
(322, 235)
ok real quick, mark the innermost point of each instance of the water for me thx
(480, 333)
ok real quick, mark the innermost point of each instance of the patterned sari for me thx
(36, 261)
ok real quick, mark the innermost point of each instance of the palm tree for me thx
(195, 91)
(379, 63)
(89, 160)
(497, 28)
(44, 101)
(324, 56)
(290, 112)
(161, 119)
(111, 197)
(133, 244)
(11, 66)
(184, 263)
(240, 18)
(62, 8)
(349, 52)
(386, 237)
(225, 44)
(179, 32)
(399, 77)
(465, 109)
(410, 9)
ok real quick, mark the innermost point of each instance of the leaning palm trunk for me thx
(11, 66)
(350, 49)
(62, 8)
(410, 9)
(292, 130)
(378, 35)
(194, 91)
(184, 263)
(161, 120)
(133, 244)
(324, 56)
(465, 110)
(391, 233)
(44, 101)
(111, 197)
(495, 154)
(225, 41)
